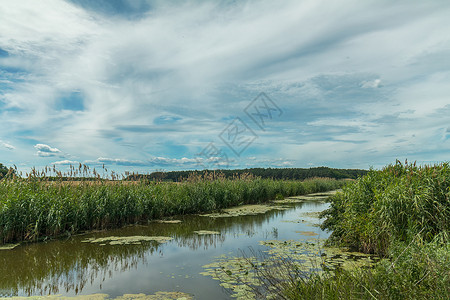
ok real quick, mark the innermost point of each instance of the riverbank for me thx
(401, 213)
(35, 209)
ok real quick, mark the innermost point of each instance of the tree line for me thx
(272, 173)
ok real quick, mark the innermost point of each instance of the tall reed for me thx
(41, 206)
(392, 205)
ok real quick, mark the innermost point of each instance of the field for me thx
(37, 208)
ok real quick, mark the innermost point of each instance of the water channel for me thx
(84, 265)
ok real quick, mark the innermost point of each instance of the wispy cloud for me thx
(6, 145)
(359, 83)
(371, 84)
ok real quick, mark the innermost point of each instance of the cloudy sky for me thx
(145, 85)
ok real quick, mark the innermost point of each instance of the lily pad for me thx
(206, 232)
(245, 210)
(288, 200)
(169, 221)
(307, 233)
(311, 214)
(127, 240)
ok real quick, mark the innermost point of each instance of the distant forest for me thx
(277, 173)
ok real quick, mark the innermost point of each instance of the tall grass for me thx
(396, 204)
(402, 213)
(36, 207)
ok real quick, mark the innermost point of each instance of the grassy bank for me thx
(401, 213)
(35, 208)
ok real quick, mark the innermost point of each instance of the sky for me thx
(140, 86)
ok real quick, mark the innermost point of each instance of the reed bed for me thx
(41, 206)
(401, 213)
(396, 204)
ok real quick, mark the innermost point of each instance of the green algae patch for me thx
(127, 240)
(313, 255)
(206, 232)
(8, 246)
(245, 210)
(309, 197)
(236, 274)
(156, 296)
(324, 194)
(302, 221)
(311, 214)
(241, 276)
(287, 201)
(294, 221)
(169, 221)
(307, 233)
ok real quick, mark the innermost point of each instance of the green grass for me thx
(36, 208)
(401, 213)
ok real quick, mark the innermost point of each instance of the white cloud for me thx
(371, 84)
(7, 146)
(46, 150)
(155, 161)
(66, 163)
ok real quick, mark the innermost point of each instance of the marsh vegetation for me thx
(388, 233)
(39, 207)
(401, 214)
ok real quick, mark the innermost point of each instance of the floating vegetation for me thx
(310, 197)
(294, 221)
(242, 275)
(287, 201)
(8, 246)
(206, 232)
(236, 274)
(311, 214)
(312, 254)
(169, 221)
(127, 240)
(156, 296)
(245, 210)
(306, 222)
(324, 194)
(307, 233)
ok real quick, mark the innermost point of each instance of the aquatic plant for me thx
(42, 206)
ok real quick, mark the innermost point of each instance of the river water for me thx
(72, 266)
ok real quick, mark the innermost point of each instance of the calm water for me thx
(70, 267)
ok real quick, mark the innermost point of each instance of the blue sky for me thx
(146, 85)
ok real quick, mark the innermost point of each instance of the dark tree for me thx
(274, 173)
(3, 171)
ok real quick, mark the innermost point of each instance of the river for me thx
(82, 265)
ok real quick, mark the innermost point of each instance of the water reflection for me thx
(53, 267)
(69, 266)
